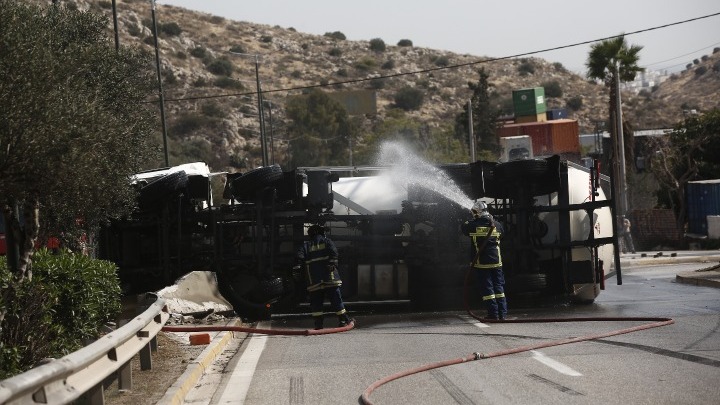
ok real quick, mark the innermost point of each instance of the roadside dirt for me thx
(168, 363)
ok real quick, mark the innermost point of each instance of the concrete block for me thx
(713, 226)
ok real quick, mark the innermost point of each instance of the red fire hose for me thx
(655, 322)
(302, 332)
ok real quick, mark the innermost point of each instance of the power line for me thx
(680, 56)
(438, 68)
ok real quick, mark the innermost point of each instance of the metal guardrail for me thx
(82, 374)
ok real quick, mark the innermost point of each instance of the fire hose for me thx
(654, 323)
(296, 332)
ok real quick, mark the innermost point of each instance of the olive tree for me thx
(75, 124)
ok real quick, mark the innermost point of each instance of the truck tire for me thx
(521, 170)
(160, 189)
(246, 185)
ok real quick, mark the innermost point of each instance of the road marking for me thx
(554, 364)
(239, 381)
(473, 321)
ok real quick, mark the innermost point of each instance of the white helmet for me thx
(479, 207)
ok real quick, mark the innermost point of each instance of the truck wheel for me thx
(246, 185)
(160, 189)
(521, 170)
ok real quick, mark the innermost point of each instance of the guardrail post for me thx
(94, 396)
(145, 358)
(125, 376)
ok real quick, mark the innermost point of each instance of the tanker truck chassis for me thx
(558, 242)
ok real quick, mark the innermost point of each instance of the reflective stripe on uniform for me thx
(317, 313)
(317, 259)
(340, 312)
(501, 295)
(315, 248)
(488, 297)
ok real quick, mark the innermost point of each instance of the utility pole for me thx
(263, 142)
(160, 88)
(471, 141)
(622, 187)
(115, 25)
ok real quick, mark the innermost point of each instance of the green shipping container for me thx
(529, 101)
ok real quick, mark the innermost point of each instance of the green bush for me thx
(335, 52)
(220, 67)
(405, 42)
(442, 61)
(336, 35)
(225, 82)
(134, 30)
(409, 98)
(69, 298)
(575, 103)
(189, 122)
(198, 52)
(552, 89)
(389, 64)
(526, 68)
(365, 64)
(266, 39)
(377, 45)
(238, 49)
(171, 29)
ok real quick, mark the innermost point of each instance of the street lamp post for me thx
(263, 143)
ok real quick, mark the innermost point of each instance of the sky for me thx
(497, 28)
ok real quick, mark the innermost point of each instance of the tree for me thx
(75, 125)
(320, 130)
(613, 60)
(690, 152)
(409, 98)
(484, 119)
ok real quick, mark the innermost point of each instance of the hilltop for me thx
(211, 108)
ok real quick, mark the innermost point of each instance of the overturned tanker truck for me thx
(397, 245)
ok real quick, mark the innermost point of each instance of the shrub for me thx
(409, 98)
(336, 35)
(335, 52)
(705, 58)
(696, 61)
(266, 39)
(220, 67)
(134, 30)
(389, 64)
(216, 19)
(199, 82)
(237, 48)
(296, 74)
(716, 66)
(575, 103)
(188, 122)
(212, 109)
(342, 72)
(442, 61)
(105, 4)
(377, 84)
(365, 64)
(172, 29)
(404, 42)
(377, 45)
(559, 67)
(553, 89)
(198, 52)
(526, 68)
(181, 55)
(224, 82)
(69, 298)
(149, 40)
(716, 50)
(700, 70)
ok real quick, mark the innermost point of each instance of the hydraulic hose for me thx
(301, 332)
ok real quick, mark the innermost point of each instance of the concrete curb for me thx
(175, 395)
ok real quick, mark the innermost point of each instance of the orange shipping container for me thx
(548, 138)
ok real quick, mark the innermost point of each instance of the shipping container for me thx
(556, 114)
(548, 138)
(703, 199)
(523, 119)
(529, 101)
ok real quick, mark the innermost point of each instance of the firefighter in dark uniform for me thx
(485, 233)
(319, 256)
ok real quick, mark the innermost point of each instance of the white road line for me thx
(554, 364)
(239, 381)
(471, 320)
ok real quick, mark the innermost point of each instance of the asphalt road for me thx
(675, 364)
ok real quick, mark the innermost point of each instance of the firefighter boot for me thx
(318, 322)
(344, 320)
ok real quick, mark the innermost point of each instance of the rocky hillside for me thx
(212, 112)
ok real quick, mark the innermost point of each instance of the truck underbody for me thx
(557, 242)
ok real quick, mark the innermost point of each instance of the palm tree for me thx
(613, 60)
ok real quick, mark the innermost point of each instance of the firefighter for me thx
(485, 233)
(319, 256)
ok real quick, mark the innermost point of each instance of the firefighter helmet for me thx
(479, 207)
(316, 230)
